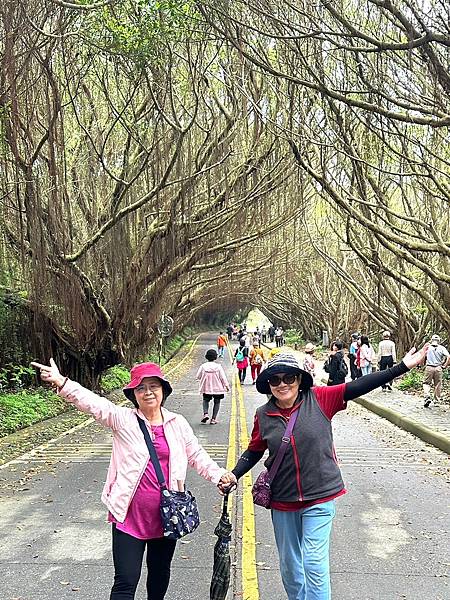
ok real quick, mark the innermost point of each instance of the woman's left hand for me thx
(227, 483)
(414, 358)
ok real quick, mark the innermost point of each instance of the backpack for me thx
(343, 369)
(326, 366)
(258, 360)
(240, 355)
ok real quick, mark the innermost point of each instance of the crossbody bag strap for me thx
(153, 456)
(285, 441)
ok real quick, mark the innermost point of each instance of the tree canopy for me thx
(189, 157)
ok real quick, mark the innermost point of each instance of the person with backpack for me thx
(336, 366)
(213, 385)
(241, 358)
(256, 361)
(366, 354)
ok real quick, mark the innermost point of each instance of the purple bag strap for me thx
(285, 440)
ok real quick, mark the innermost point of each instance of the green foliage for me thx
(23, 408)
(114, 378)
(292, 336)
(15, 335)
(16, 376)
(138, 28)
(412, 380)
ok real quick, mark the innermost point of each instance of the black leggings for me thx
(128, 552)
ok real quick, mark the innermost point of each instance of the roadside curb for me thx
(421, 431)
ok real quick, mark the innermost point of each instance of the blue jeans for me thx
(367, 369)
(220, 351)
(303, 542)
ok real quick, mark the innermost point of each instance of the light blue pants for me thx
(366, 370)
(303, 542)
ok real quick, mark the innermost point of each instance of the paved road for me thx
(389, 540)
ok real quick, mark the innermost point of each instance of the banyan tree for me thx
(182, 158)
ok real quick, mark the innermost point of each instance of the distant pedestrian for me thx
(336, 366)
(271, 332)
(366, 355)
(279, 337)
(213, 385)
(386, 357)
(241, 358)
(352, 352)
(264, 334)
(221, 344)
(132, 493)
(308, 362)
(256, 361)
(230, 330)
(256, 341)
(438, 359)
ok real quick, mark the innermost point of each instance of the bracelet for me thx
(64, 383)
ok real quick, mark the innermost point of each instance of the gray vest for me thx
(309, 470)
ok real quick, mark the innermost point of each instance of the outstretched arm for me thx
(103, 411)
(365, 384)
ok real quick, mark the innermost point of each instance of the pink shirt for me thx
(143, 519)
(130, 456)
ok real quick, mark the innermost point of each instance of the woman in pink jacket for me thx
(213, 385)
(132, 492)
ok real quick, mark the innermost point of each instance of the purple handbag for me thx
(261, 491)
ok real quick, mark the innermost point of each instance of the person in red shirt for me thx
(308, 480)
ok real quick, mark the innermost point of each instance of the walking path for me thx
(387, 543)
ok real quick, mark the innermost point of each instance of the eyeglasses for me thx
(153, 388)
(275, 380)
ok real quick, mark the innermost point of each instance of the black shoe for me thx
(205, 418)
(427, 402)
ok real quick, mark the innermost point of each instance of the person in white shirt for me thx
(438, 359)
(386, 357)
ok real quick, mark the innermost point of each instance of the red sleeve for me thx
(256, 443)
(330, 398)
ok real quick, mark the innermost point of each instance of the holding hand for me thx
(413, 358)
(50, 374)
(227, 483)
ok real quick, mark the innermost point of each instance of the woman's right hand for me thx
(227, 483)
(50, 373)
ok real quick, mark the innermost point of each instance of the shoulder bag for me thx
(179, 511)
(261, 491)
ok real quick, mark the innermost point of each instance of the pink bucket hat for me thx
(137, 374)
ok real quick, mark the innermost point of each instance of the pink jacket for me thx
(130, 455)
(212, 379)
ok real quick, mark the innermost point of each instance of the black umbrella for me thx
(220, 581)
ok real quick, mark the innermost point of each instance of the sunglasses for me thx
(275, 380)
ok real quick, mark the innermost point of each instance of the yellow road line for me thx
(250, 586)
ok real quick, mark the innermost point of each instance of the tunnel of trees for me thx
(196, 158)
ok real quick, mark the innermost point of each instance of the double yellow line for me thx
(250, 589)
